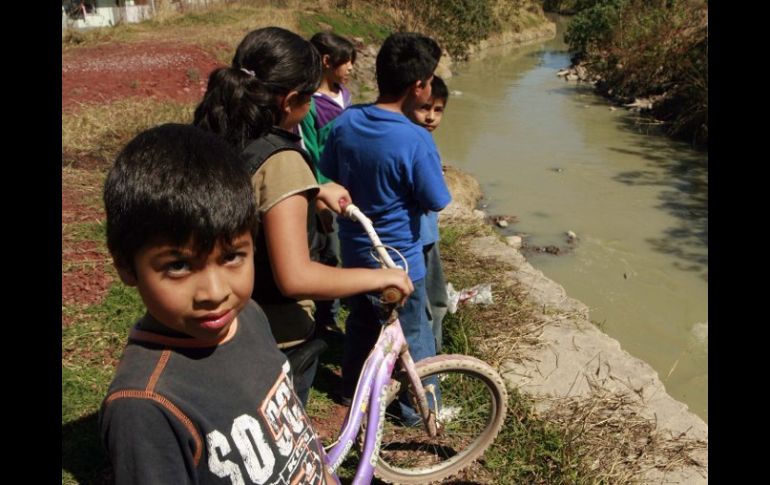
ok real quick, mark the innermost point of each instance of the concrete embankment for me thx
(575, 362)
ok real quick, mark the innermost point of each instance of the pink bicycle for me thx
(458, 422)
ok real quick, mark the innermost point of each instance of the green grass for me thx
(530, 450)
(364, 23)
(208, 17)
(91, 346)
(87, 231)
(452, 235)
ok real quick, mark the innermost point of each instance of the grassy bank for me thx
(652, 50)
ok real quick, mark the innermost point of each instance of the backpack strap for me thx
(254, 156)
(264, 147)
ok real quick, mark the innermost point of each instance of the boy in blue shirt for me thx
(392, 169)
(429, 116)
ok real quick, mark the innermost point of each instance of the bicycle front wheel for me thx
(471, 413)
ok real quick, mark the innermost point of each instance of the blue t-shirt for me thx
(393, 171)
(429, 228)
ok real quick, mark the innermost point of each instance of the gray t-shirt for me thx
(177, 412)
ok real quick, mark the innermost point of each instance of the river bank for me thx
(579, 376)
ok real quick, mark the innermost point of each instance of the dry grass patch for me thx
(97, 133)
(615, 440)
(217, 28)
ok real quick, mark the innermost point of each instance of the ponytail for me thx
(241, 101)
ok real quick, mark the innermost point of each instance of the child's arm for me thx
(297, 276)
(334, 196)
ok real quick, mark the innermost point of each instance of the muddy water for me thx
(560, 159)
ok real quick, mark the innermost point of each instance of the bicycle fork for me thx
(420, 391)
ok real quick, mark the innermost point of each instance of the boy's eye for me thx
(177, 268)
(234, 257)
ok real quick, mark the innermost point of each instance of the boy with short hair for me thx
(202, 392)
(392, 170)
(429, 117)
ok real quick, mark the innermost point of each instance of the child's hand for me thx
(335, 196)
(396, 278)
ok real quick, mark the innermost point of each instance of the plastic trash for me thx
(479, 294)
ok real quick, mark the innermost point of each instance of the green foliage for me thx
(458, 24)
(594, 25)
(650, 48)
(461, 22)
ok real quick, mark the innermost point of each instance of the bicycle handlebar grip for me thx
(392, 294)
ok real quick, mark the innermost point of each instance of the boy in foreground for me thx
(202, 394)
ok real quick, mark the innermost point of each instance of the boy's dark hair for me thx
(175, 183)
(405, 57)
(241, 103)
(339, 49)
(438, 89)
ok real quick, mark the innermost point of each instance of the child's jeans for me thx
(435, 291)
(363, 327)
(326, 310)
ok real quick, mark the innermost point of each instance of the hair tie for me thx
(250, 73)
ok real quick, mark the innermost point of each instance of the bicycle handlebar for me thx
(353, 212)
(390, 294)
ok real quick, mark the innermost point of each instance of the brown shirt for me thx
(282, 175)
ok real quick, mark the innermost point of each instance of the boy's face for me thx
(200, 295)
(429, 115)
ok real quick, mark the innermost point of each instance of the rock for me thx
(502, 223)
(552, 250)
(479, 214)
(514, 241)
(562, 72)
(571, 236)
(571, 77)
(325, 27)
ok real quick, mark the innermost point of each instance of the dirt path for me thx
(107, 72)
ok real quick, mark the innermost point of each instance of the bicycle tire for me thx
(407, 455)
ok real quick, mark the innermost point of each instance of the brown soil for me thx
(84, 279)
(329, 425)
(98, 74)
(104, 73)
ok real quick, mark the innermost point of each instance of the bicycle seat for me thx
(302, 357)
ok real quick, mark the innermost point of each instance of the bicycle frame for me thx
(369, 398)
(373, 382)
